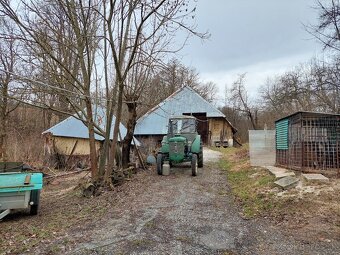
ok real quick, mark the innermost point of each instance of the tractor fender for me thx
(196, 145)
(165, 145)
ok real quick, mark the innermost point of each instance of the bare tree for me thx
(313, 86)
(328, 29)
(42, 27)
(8, 61)
(324, 84)
(241, 102)
(208, 91)
(137, 80)
(173, 76)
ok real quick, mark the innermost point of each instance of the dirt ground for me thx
(151, 214)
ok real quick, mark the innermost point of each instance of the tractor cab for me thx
(182, 126)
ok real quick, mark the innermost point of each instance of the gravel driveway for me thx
(181, 214)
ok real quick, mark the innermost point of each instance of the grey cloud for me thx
(244, 32)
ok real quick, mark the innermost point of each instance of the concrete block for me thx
(315, 178)
(166, 169)
(279, 172)
(287, 182)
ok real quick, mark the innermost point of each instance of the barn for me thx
(309, 141)
(213, 126)
(70, 138)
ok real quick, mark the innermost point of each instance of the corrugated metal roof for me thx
(184, 100)
(307, 112)
(73, 127)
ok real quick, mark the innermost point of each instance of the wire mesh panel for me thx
(296, 150)
(321, 138)
(282, 157)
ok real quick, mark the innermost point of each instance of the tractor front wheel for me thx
(194, 164)
(159, 164)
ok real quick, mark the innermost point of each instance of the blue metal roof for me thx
(73, 127)
(184, 100)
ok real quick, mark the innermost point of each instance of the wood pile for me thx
(120, 175)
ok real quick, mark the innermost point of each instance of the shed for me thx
(213, 126)
(71, 137)
(308, 141)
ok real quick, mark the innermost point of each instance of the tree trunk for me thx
(126, 144)
(109, 169)
(3, 131)
(3, 122)
(104, 156)
(106, 145)
(252, 120)
(92, 141)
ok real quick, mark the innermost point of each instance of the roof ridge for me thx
(204, 99)
(153, 109)
(161, 103)
(58, 124)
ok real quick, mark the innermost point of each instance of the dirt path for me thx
(181, 214)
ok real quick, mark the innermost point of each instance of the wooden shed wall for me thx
(220, 130)
(64, 145)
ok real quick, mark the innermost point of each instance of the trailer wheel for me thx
(34, 209)
(160, 163)
(194, 164)
(34, 198)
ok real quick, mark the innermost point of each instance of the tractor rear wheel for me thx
(200, 159)
(194, 164)
(159, 163)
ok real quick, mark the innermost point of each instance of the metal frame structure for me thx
(309, 141)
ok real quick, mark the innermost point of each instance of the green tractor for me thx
(181, 144)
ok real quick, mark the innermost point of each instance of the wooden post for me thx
(138, 154)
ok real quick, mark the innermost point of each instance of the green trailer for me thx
(20, 190)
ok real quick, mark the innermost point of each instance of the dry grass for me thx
(315, 212)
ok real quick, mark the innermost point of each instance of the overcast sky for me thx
(259, 37)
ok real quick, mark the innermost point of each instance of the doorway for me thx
(202, 124)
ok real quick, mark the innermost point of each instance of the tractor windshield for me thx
(182, 126)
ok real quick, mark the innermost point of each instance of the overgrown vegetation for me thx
(252, 187)
(254, 190)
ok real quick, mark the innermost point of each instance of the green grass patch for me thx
(250, 186)
(225, 165)
(226, 151)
